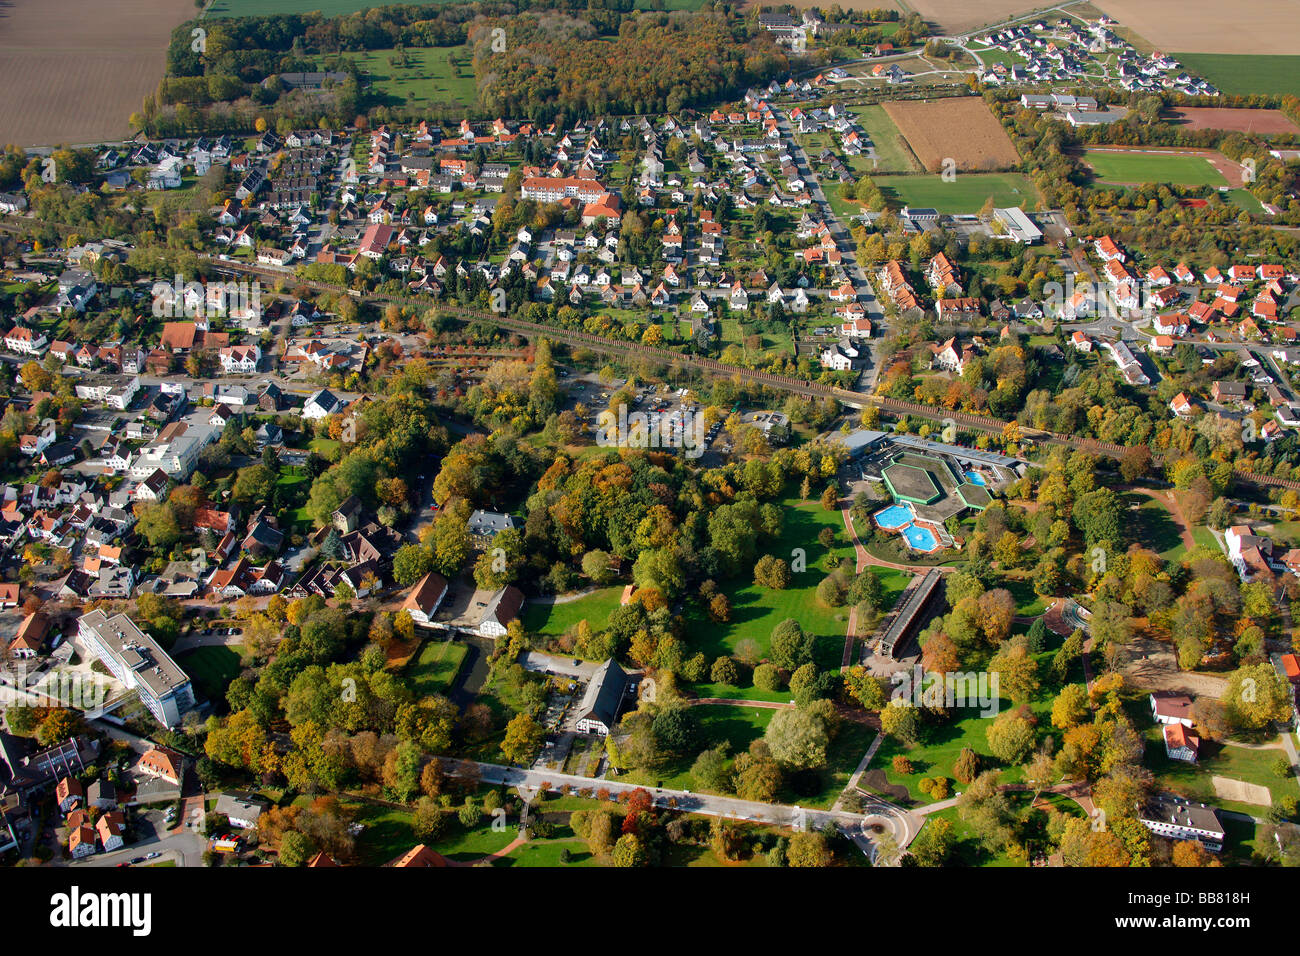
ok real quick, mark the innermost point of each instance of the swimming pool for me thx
(975, 478)
(922, 539)
(894, 517)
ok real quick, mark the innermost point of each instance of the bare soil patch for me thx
(1152, 665)
(1239, 791)
(1199, 26)
(1267, 122)
(73, 71)
(960, 128)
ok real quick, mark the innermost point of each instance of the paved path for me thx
(859, 826)
(736, 702)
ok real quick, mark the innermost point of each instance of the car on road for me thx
(153, 856)
(138, 859)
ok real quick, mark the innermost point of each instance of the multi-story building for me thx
(139, 663)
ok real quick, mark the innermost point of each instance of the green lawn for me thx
(1245, 199)
(965, 194)
(430, 76)
(211, 669)
(554, 619)
(1244, 74)
(327, 448)
(1132, 167)
(892, 154)
(970, 852)
(738, 726)
(435, 668)
(1151, 525)
(1216, 760)
(755, 611)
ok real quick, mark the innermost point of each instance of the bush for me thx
(725, 671)
(902, 765)
(767, 677)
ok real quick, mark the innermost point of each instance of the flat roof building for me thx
(140, 664)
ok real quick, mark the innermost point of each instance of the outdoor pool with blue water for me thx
(975, 478)
(920, 538)
(894, 517)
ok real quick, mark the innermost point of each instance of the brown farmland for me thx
(1267, 122)
(1199, 26)
(73, 71)
(961, 129)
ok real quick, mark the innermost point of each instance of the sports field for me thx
(965, 194)
(1235, 74)
(1177, 169)
(431, 76)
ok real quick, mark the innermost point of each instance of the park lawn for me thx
(547, 852)
(387, 834)
(842, 207)
(1205, 538)
(212, 669)
(965, 194)
(969, 850)
(842, 758)
(892, 154)
(1028, 603)
(555, 619)
(467, 845)
(1152, 526)
(1133, 167)
(435, 668)
(756, 611)
(719, 723)
(1241, 74)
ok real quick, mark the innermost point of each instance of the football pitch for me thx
(966, 193)
(1173, 168)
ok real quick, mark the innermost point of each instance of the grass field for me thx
(554, 619)
(211, 669)
(431, 76)
(965, 194)
(755, 611)
(435, 668)
(1132, 167)
(1216, 760)
(892, 154)
(1243, 74)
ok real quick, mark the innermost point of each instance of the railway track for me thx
(893, 406)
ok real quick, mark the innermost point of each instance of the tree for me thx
(295, 849)
(1070, 707)
(676, 729)
(1255, 695)
(724, 671)
(411, 563)
(798, 739)
(595, 565)
(629, 851)
(767, 677)
(771, 572)
(523, 737)
(934, 844)
(1010, 737)
(430, 822)
(809, 848)
(791, 646)
(967, 765)
(902, 722)
(712, 769)
(157, 523)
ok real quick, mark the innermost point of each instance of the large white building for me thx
(139, 663)
(1179, 819)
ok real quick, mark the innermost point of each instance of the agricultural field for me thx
(1199, 26)
(1128, 167)
(430, 76)
(1266, 122)
(80, 83)
(1275, 75)
(965, 194)
(960, 129)
(330, 8)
